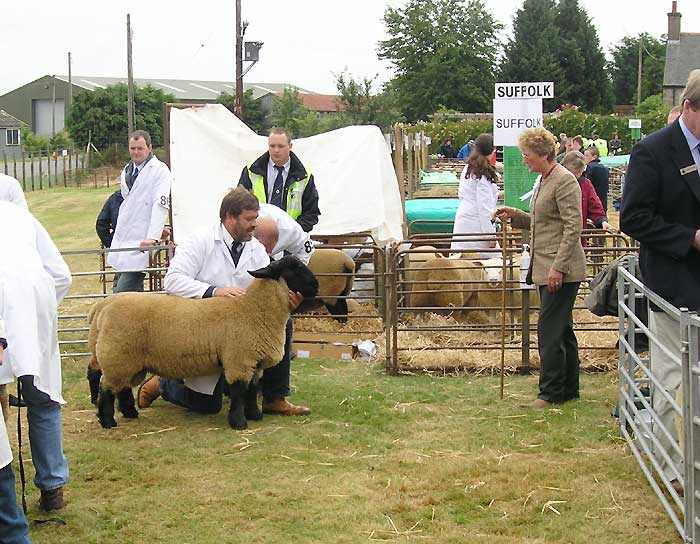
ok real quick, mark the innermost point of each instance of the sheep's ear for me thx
(272, 271)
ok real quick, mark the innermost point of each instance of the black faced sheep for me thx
(173, 337)
(334, 271)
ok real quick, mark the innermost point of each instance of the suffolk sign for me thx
(513, 91)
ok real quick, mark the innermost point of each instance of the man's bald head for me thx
(267, 233)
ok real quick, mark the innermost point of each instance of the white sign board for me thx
(635, 123)
(511, 117)
(518, 91)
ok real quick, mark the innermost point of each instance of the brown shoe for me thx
(283, 407)
(148, 392)
(52, 500)
(537, 404)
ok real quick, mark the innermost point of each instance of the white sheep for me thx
(450, 283)
(173, 337)
(491, 292)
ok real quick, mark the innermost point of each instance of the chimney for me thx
(674, 24)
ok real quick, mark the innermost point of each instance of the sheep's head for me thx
(492, 270)
(298, 276)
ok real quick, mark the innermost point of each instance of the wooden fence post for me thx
(4, 160)
(41, 170)
(31, 167)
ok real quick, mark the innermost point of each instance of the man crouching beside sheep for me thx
(216, 263)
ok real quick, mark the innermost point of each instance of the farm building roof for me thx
(682, 56)
(186, 89)
(8, 121)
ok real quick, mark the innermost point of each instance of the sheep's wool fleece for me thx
(178, 337)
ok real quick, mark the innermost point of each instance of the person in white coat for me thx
(13, 523)
(281, 235)
(215, 262)
(478, 196)
(145, 186)
(11, 191)
(32, 284)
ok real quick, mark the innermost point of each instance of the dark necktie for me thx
(236, 250)
(276, 198)
(131, 179)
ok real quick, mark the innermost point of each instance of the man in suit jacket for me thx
(278, 177)
(599, 175)
(661, 210)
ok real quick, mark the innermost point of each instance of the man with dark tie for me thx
(214, 262)
(145, 186)
(279, 178)
(661, 210)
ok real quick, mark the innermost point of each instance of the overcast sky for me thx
(306, 41)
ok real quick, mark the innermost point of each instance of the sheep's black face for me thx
(298, 276)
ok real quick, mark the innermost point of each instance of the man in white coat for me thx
(32, 284)
(13, 524)
(281, 235)
(145, 185)
(11, 191)
(215, 262)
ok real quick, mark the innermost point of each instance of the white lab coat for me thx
(477, 201)
(142, 215)
(5, 451)
(202, 261)
(11, 191)
(32, 284)
(292, 238)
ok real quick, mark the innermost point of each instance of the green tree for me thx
(443, 52)
(103, 113)
(361, 107)
(624, 67)
(532, 54)
(288, 110)
(253, 116)
(585, 82)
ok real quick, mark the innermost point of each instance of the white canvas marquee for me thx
(357, 187)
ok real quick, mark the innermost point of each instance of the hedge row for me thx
(571, 122)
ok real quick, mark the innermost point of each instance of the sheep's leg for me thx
(339, 310)
(236, 412)
(93, 377)
(127, 404)
(252, 410)
(105, 408)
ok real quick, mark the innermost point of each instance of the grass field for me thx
(414, 458)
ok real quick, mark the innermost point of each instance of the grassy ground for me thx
(411, 458)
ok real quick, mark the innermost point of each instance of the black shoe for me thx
(14, 401)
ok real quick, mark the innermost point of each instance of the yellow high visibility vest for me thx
(296, 190)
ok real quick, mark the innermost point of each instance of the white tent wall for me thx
(357, 186)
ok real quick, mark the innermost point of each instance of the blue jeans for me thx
(13, 524)
(178, 393)
(129, 282)
(45, 438)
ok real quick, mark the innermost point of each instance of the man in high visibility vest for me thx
(279, 178)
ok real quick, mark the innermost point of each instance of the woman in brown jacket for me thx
(557, 267)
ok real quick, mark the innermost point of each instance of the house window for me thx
(12, 136)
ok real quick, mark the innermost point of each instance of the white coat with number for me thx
(142, 215)
(32, 284)
(477, 200)
(292, 238)
(203, 260)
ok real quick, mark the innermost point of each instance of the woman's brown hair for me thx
(479, 160)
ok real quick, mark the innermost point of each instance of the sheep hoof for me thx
(253, 413)
(130, 412)
(238, 423)
(108, 423)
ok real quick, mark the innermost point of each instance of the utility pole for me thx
(130, 76)
(70, 84)
(53, 105)
(639, 72)
(239, 62)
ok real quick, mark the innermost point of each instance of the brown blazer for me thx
(555, 222)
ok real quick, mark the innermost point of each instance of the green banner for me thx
(517, 179)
